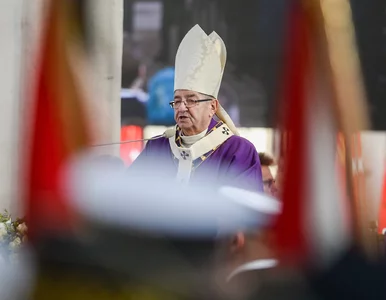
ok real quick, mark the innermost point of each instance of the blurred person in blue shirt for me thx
(161, 92)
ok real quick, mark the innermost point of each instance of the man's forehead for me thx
(185, 94)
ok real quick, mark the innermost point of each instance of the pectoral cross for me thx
(184, 155)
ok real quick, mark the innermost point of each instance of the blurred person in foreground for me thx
(136, 242)
(250, 269)
(269, 182)
(201, 144)
(141, 243)
(248, 256)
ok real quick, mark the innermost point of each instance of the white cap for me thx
(258, 202)
(161, 205)
(199, 66)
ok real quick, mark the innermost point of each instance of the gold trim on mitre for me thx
(199, 67)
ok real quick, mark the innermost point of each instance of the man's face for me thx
(193, 117)
(269, 182)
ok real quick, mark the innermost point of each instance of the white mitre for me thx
(199, 67)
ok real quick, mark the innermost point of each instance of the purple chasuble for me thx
(235, 163)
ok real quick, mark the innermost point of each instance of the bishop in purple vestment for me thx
(202, 150)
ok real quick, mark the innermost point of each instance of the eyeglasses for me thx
(188, 103)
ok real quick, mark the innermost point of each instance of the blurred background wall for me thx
(11, 15)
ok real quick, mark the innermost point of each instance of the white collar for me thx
(258, 264)
(189, 140)
(187, 155)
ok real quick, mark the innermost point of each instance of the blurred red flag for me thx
(290, 230)
(312, 225)
(58, 129)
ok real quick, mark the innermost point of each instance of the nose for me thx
(182, 107)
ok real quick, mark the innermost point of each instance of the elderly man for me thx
(202, 148)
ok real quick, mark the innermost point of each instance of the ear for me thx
(214, 107)
(237, 242)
